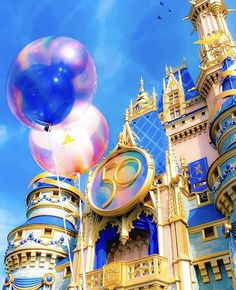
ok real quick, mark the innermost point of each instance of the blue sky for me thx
(126, 41)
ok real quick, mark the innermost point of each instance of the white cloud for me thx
(4, 134)
(9, 220)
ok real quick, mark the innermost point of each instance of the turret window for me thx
(174, 98)
(203, 197)
(55, 193)
(36, 195)
(209, 233)
(19, 235)
(47, 233)
(175, 112)
(67, 272)
(73, 199)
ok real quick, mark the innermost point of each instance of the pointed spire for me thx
(141, 88)
(164, 85)
(184, 62)
(154, 94)
(126, 137)
(174, 170)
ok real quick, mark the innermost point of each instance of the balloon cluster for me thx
(50, 88)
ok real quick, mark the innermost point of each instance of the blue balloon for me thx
(48, 76)
(55, 90)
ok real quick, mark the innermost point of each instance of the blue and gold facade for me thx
(159, 211)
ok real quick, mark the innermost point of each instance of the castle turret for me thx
(46, 240)
(209, 20)
(217, 84)
(222, 173)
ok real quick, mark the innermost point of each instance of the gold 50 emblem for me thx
(121, 181)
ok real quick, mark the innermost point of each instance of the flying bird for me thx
(169, 10)
(162, 3)
(159, 17)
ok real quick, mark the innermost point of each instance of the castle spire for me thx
(143, 103)
(141, 88)
(126, 137)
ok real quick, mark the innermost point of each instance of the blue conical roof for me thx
(152, 137)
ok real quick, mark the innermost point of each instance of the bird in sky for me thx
(159, 17)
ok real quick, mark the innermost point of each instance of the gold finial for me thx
(164, 85)
(154, 94)
(172, 159)
(126, 136)
(126, 116)
(141, 89)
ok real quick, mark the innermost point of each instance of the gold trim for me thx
(207, 258)
(119, 168)
(221, 159)
(225, 94)
(45, 279)
(228, 112)
(40, 226)
(112, 194)
(228, 73)
(36, 249)
(199, 228)
(66, 207)
(62, 267)
(46, 179)
(11, 280)
(225, 136)
(139, 196)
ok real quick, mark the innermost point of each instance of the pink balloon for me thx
(74, 147)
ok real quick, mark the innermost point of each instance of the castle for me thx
(159, 211)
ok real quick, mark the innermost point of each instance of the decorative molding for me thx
(212, 261)
(189, 133)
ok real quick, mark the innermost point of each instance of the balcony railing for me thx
(148, 271)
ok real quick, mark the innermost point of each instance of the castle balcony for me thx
(150, 272)
(222, 181)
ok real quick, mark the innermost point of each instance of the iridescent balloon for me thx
(71, 149)
(46, 79)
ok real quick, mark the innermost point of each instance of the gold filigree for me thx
(112, 275)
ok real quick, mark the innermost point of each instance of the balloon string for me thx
(64, 220)
(82, 242)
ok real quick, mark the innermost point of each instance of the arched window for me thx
(101, 247)
(146, 223)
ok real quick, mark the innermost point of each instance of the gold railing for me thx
(148, 271)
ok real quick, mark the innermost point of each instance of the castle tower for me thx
(221, 175)
(216, 85)
(209, 19)
(38, 254)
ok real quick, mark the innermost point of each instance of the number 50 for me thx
(117, 178)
